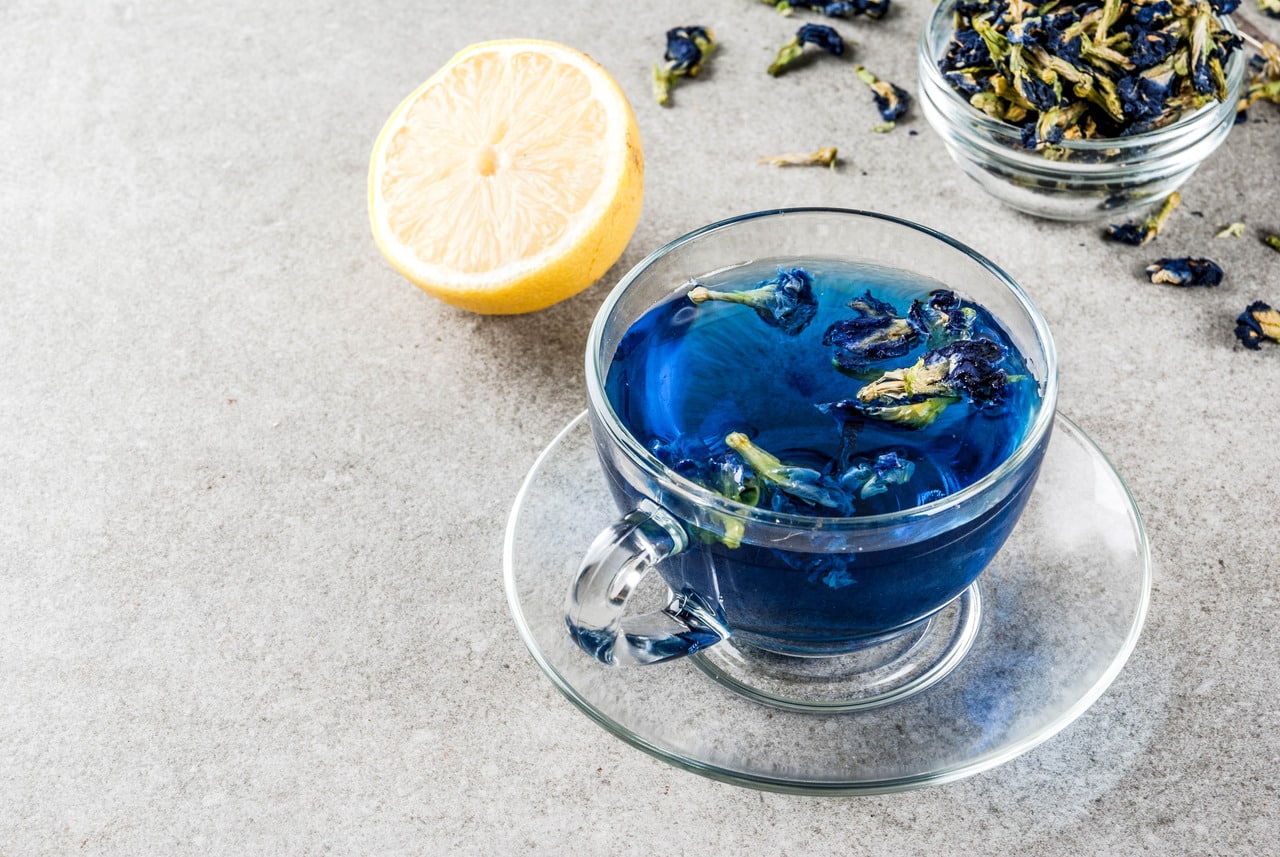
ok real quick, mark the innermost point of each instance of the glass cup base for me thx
(1062, 605)
(868, 678)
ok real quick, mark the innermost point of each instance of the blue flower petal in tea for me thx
(869, 478)
(838, 8)
(786, 302)
(916, 395)
(802, 483)
(850, 422)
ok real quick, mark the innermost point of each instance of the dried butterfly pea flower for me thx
(1067, 70)
(840, 9)
(1185, 272)
(1270, 8)
(1138, 234)
(825, 157)
(818, 35)
(687, 48)
(915, 413)
(950, 315)
(892, 101)
(786, 302)
(1258, 323)
(1264, 77)
(851, 422)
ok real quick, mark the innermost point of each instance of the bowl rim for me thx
(697, 495)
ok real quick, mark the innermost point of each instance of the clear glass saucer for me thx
(1062, 606)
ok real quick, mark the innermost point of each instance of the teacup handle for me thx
(614, 565)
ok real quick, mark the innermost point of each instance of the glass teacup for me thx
(749, 588)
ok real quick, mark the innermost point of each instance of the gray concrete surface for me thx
(255, 484)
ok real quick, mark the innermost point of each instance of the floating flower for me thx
(839, 9)
(786, 302)
(1064, 70)
(916, 395)
(1185, 272)
(802, 483)
(964, 368)
(915, 414)
(877, 333)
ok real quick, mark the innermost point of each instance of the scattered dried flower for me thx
(1258, 323)
(802, 483)
(822, 158)
(1138, 234)
(892, 101)
(1231, 230)
(1185, 272)
(818, 35)
(687, 48)
(876, 333)
(871, 478)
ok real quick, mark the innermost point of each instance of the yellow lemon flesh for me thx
(511, 180)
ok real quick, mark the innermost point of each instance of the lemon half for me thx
(511, 180)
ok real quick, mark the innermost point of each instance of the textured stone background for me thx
(255, 484)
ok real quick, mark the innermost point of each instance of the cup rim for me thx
(1234, 71)
(706, 498)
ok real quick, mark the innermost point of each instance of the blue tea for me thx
(827, 390)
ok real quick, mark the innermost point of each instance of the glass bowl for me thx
(1087, 179)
